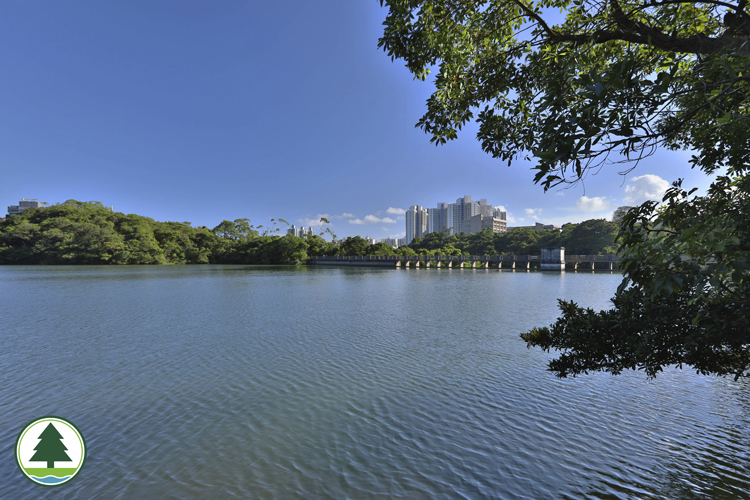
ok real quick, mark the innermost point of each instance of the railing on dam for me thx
(438, 261)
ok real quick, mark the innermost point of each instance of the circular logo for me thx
(50, 451)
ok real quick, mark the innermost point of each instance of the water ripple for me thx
(241, 382)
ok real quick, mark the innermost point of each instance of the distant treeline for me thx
(78, 232)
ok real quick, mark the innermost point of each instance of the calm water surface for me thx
(258, 382)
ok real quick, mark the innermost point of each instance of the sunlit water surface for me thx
(280, 382)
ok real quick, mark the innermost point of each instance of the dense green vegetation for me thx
(78, 232)
(591, 237)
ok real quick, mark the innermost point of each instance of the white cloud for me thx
(372, 219)
(345, 215)
(308, 222)
(314, 221)
(595, 204)
(395, 211)
(534, 212)
(645, 187)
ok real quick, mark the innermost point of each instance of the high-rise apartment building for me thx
(416, 223)
(453, 217)
(300, 232)
(449, 217)
(500, 214)
(485, 208)
(466, 208)
(435, 221)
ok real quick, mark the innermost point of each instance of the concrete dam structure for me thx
(552, 259)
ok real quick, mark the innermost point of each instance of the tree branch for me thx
(737, 8)
(536, 17)
(690, 114)
(629, 30)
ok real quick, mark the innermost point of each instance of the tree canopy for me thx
(574, 85)
(591, 237)
(607, 76)
(78, 232)
(684, 299)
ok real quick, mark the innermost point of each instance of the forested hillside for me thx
(78, 232)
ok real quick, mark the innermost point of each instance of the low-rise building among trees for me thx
(23, 205)
(539, 227)
(479, 222)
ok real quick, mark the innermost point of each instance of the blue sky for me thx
(205, 111)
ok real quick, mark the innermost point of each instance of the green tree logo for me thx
(51, 448)
(50, 451)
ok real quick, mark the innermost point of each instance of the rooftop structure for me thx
(23, 205)
(538, 227)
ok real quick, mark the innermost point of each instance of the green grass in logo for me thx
(46, 471)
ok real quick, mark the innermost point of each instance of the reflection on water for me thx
(251, 382)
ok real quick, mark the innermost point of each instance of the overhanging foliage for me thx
(574, 85)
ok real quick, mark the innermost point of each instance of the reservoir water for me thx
(280, 382)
